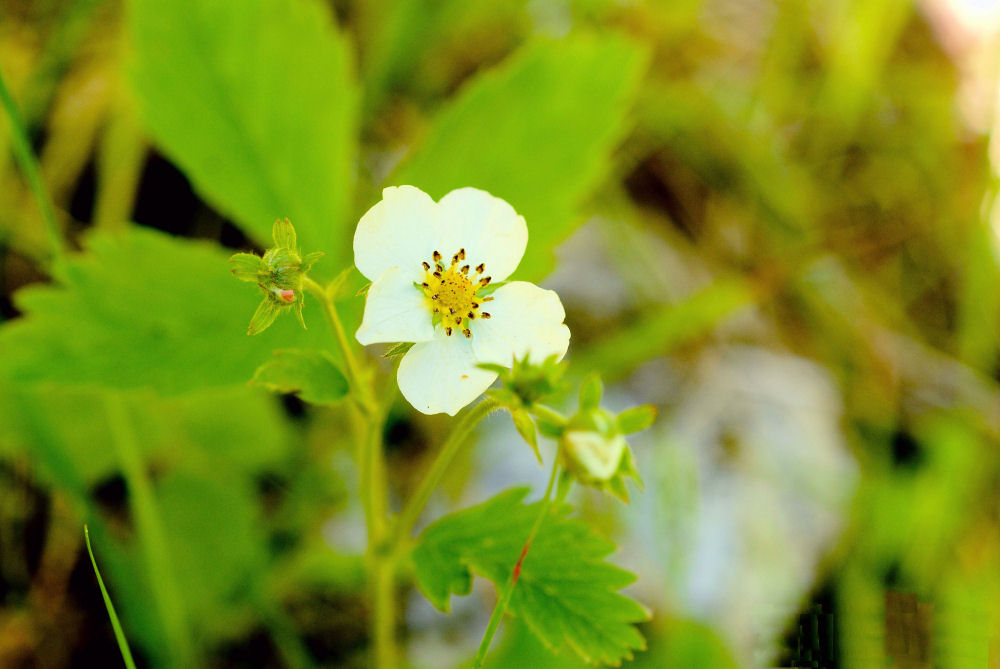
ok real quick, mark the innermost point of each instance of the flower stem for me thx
(365, 399)
(374, 488)
(411, 512)
(508, 591)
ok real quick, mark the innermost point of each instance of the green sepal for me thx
(284, 234)
(299, 305)
(492, 367)
(526, 428)
(550, 430)
(636, 419)
(505, 397)
(247, 266)
(263, 317)
(310, 259)
(591, 391)
(397, 350)
(335, 288)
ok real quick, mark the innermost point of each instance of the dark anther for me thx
(480, 268)
(427, 265)
(485, 314)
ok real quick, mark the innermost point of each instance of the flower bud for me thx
(591, 456)
(279, 275)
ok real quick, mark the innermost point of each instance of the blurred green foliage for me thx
(789, 175)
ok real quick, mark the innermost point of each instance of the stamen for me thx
(485, 314)
(452, 292)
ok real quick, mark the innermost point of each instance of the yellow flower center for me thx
(452, 292)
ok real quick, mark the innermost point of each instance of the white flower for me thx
(431, 265)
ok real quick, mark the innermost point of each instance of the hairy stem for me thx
(354, 370)
(504, 600)
(411, 512)
(369, 419)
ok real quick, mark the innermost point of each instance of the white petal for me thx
(401, 230)
(441, 375)
(525, 319)
(487, 228)
(395, 310)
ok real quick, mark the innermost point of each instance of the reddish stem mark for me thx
(520, 560)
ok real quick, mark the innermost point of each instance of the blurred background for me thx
(774, 220)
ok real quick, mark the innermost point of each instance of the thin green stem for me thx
(333, 318)
(384, 624)
(29, 166)
(374, 487)
(152, 536)
(508, 591)
(411, 512)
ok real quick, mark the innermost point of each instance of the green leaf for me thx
(636, 419)
(397, 350)
(254, 100)
(526, 428)
(536, 132)
(312, 375)
(591, 391)
(566, 594)
(142, 310)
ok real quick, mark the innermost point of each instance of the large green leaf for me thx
(254, 100)
(312, 375)
(144, 310)
(566, 594)
(537, 132)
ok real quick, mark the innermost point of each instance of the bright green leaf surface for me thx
(238, 426)
(144, 310)
(536, 132)
(312, 375)
(567, 594)
(255, 102)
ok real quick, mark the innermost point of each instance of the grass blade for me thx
(119, 634)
